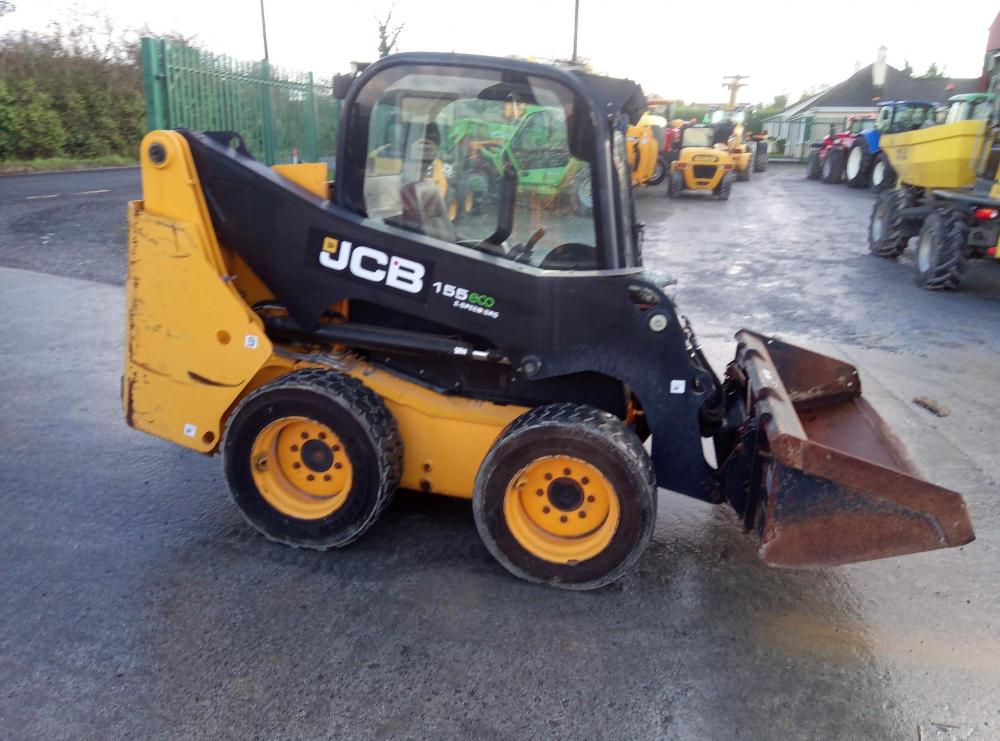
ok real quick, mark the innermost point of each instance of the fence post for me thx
(267, 115)
(154, 83)
(312, 122)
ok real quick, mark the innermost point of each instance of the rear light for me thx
(681, 165)
(992, 252)
(985, 214)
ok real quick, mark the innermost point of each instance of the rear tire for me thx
(566, 497)
(721, 191)
(744, 175)
(883, 176)
(760, 157)
(660, 170)
(942, 257)
(857, 168)
(815, 167)
(886, 237)
(312, 459)
(833, 165)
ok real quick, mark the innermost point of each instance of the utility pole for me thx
(263, 30)
(576, 25)
(734, 83)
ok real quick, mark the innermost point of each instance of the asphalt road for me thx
(136, 603)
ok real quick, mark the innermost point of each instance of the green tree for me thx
(933, 72)
(907, 69)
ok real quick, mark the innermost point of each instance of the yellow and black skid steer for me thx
(337, 341)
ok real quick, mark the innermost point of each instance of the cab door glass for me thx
(439, 142)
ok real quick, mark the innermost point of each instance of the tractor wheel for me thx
(833, 165)
(312, 458)
(760, 157)
(660, 171)
(721, 191)
(675, 183)
(744, 175)
(583, 193)
(942, 257)
(567, 497)
(815, 167)
(886, 237)
(858, 168)
(883, 176)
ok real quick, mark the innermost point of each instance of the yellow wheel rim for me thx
(301, 468)
(561, 509)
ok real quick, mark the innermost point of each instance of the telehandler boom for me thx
(337, 341)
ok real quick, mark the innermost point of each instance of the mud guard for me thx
(817, 473)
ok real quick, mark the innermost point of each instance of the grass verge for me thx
(49, 164)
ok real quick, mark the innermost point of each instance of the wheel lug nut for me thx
(548, 477)
(563, 518)
(295, 448)
(322, 436)
(584, 481)
(338, 464)
(591, 499)
(296, 465)
(546, 510)
(566, 472)
(326, 477)
(310, 477)
(335, 448)
(305, 435)
(540, 492)
(583, 513)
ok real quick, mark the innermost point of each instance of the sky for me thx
(674, 49)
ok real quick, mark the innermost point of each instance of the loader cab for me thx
(904, 115)
(551, 192)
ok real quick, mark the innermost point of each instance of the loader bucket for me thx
(836, 485)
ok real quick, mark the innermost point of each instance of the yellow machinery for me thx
(336, 343)
(942, 156)
(644, 152)
(948, 192)
(700, 166)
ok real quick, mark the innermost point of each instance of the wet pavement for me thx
(135, 602)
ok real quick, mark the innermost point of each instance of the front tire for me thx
(886, 237)
(857, 169)
(814, 170)
(312, 458)
(724, 187)
(833, 165)
(566, 497)
(743, 175)
(883, 176)
(942, 257)
(675, 183)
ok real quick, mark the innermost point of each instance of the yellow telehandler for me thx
(337, 341)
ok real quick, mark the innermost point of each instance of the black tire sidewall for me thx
(635, 525)
(363, 499)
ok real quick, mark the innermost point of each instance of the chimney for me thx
(879, 69)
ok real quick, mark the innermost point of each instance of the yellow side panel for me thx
(942, 156)
(445, 438)
(310, 175)
(192, 345)
(641, 143)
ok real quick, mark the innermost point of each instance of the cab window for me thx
(439, 144)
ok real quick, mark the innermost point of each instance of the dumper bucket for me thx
(831, 484)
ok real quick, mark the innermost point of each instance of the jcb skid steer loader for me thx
(337, 341)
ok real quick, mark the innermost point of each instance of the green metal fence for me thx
(282, 116)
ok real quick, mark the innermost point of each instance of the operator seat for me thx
(423, 209)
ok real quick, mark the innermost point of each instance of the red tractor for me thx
(828, 159)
